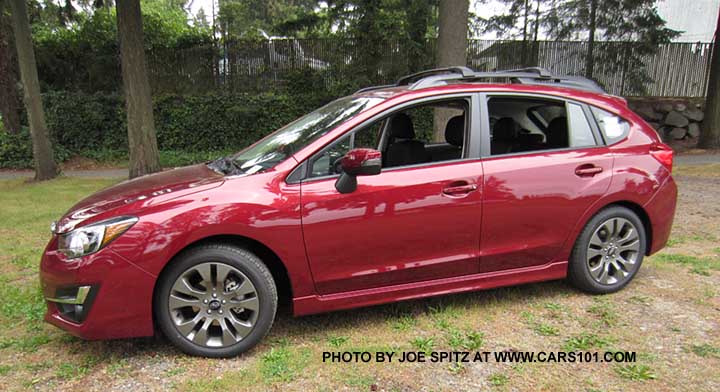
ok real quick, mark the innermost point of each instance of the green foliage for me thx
(636, 372)
(698, 265)
(84, 55)
(190, 129)
(404, 322)
(425, 345)
(281, 364)
(337, 341)
(705, 350)
(585, 341)
(498, 379)
(470, 340)
(26, 303)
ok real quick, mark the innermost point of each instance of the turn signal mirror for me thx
(358, 162)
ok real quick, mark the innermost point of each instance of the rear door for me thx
(540, 181)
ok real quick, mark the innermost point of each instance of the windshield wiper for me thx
(226, 166)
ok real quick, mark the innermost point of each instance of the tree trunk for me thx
(142, 141)
(9, 98)
(452, 49)
(710, 135)
(45, 167)
(592, 25)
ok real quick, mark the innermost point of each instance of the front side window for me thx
(293, 137)
(327, 162)
(426, 133)
(612, 127)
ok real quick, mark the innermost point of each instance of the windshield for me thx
(293, 137)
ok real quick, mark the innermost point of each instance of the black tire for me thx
(579, 274)
(242, 260)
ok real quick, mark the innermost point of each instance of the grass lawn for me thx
(669, 315)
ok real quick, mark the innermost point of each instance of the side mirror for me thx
(357, 162)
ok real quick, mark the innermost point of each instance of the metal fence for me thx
(623, 68)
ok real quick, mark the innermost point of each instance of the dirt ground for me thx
(669, 316)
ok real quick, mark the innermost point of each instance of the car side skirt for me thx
(312, 304)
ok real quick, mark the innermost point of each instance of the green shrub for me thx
(190, 128)
(16, 150)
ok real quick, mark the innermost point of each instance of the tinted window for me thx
(326, 162)
(612, 127)
(522, 124)
(432, 132)
(299, 133)
(580, 132)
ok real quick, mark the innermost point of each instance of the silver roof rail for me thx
(527, 76)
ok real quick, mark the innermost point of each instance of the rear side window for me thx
(612, 127)
(580, 133)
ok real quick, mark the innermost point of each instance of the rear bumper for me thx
(661, 211)
(114, 295)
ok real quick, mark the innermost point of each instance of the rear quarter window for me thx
(613, 128)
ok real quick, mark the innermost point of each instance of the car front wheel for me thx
(609, 251)
(216, 301)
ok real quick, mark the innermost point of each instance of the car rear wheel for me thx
(609, 251)
(216, 301)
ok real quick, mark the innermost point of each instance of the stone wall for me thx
(675, 119)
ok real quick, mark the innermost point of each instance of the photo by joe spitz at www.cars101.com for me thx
(538, 177)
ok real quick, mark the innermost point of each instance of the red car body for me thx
(370, 246)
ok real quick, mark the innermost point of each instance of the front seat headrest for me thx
(557, 132)
(505, 129)
(455, 130)
(401, 127)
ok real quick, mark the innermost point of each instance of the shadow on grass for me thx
(316, 327)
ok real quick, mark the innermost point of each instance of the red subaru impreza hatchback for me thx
(448, 181)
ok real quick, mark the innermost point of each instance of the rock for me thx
(676, 119)
(654, 125)
(664, 107)
(678, 133)
(694, 114)
(680, 107)
(693, 130)
(648, 113)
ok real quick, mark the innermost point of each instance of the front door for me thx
(418, 220)
(401, 226)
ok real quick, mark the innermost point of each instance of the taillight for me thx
(663, 153)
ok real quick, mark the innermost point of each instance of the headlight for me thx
(90, 239)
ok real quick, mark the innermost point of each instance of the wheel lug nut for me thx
(221, 311)
(209, 311)
(204, 301)
(223, 301)
(214, 295)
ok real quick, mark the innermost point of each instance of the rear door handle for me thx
(459, 189)
(588, 170)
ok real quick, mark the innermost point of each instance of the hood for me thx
(142, 191)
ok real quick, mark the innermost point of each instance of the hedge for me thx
(94, 124)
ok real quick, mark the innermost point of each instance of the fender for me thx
(165, 230)
(630, 184)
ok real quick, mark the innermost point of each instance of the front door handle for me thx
(459, 188)
(588, 170)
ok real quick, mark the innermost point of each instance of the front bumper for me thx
(100, 296)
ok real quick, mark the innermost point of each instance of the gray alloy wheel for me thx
(613, 251)
(215, 300)
(213, 304)
(608, 252)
